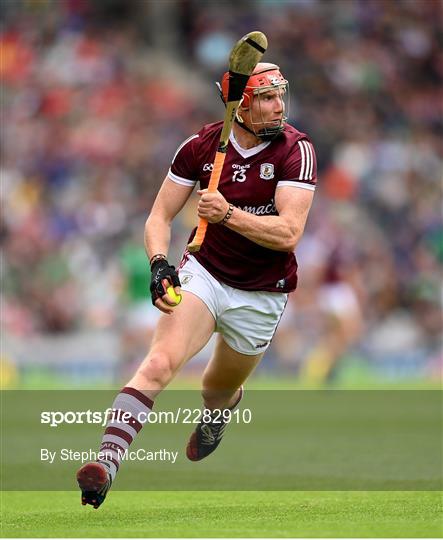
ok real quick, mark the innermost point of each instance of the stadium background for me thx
(96, 98)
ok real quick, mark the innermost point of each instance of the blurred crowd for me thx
(94, 106)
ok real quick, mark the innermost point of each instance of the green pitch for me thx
(49, 514)
(224, 514)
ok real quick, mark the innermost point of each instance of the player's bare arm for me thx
(168, 203)
(280, 233)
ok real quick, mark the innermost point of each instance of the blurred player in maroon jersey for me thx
(339, 305)
(324, 320)
(237, 284)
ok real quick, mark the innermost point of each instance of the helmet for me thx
(265, 77)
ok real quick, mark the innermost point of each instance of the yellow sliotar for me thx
(177, 298)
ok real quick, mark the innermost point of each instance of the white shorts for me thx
(247, 320)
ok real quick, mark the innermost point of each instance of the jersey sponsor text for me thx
(249, 180)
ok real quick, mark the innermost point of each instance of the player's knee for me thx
(157, 370)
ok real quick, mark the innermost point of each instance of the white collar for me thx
(246, 153)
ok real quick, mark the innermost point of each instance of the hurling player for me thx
(237, 284)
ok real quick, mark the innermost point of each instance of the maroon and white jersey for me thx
(248, 181)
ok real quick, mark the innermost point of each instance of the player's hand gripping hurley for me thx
(245, 55)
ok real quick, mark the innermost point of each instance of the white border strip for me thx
(179, 180)
(108, 438)
(302, 167)
(312, 160)
(246, 153)
(310, 165)
(308, 160)
(292, 183)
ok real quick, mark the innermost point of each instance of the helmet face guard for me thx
(268, 130)
(266, 82)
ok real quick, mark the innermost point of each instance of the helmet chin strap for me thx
(271, 133)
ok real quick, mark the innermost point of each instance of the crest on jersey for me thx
(267, 171)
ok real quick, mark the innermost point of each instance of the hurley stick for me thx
(245, 55)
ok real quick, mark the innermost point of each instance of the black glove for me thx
(161, 270)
